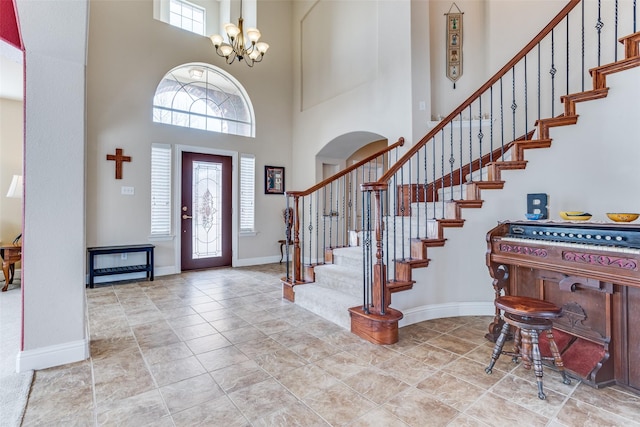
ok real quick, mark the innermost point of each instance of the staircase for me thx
(411, 206)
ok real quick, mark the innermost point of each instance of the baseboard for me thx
(55, 355)
(157, 272)
(452, 309)
(246, 262)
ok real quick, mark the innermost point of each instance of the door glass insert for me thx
(207, 210)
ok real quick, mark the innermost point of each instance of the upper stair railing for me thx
(423, 192)
(328, 215)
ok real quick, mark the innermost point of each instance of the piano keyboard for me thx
(583, 246)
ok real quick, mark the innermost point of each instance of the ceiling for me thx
(11, 74)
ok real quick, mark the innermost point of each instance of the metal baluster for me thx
(480, 136)
(311, 229)
(324, 220)
(599, 26)
(526, 103)
(540, 83)
(366, 225)
(302, 228)
(451, 162)
(491, 122)
(582, 36)
(615, 38)
(568, 67)
(402, 212)
(417, 197)
(514, 106)
(470, 151)
(329, 215)
(552, 72)
(460, 150)
(434, 190)
(288, 239)
(318, 227)
(501, 119)
(424, 189)
(442, 167)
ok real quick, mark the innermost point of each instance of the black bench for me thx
(108, 250)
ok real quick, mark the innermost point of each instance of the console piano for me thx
(592, 271)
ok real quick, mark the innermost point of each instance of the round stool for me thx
(528, 316)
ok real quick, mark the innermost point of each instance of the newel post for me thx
(375, 321)
(292, 219)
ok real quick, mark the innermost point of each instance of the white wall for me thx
(376, 100)
(54, 35)
(590, 167)
(494, 31)
(122, 77)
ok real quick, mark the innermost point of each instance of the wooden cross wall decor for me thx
(118, 158)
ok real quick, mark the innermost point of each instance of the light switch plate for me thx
(127, 191)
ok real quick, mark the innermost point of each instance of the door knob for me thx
(185, 216)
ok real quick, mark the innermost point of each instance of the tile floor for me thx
(222, 348)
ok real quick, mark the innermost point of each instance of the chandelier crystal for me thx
(238, 45)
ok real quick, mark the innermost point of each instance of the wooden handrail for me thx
(345, 171)
(496, 77)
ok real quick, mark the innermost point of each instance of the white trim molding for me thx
(451, 309)
(55, 355)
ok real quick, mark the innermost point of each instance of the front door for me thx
(205, 211)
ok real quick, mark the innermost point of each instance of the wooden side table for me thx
(10, 255)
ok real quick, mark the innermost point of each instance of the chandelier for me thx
(237, 46)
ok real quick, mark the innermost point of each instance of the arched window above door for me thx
(202, 96)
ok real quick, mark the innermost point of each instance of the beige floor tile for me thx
(221, 358)
(615, 399)
(207, 343)
(376, 385)
(451, 390)
(217, 412)
(239, 376)
(417, 408)
(142, 409)
(222, 348)
(295, 414)
(176, 370)
(306, 380)
(262, 399)
(280, 362)
(407, 369)
(499, 412)
(339, 404)
(190, 392)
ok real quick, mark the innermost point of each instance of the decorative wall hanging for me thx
(118, 158)
(273, 180)
(454, 44)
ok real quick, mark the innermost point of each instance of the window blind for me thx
(247, 192)
(160, 189)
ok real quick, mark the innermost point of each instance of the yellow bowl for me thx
(575, 215)
(623, 217)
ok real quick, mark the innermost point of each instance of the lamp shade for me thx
(15, 189)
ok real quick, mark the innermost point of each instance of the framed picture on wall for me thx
(273, 180)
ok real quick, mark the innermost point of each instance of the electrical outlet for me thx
(123, 256)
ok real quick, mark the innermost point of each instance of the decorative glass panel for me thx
(207, 218)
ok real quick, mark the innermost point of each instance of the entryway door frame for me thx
(177, 197)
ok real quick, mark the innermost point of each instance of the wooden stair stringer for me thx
(599, 74)
(454, 207)
(520, 146)
(544, 125)
(475, 188)
(495, 168)
(631, 45)
(588, 95)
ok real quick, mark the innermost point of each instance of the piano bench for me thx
(529, 317)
